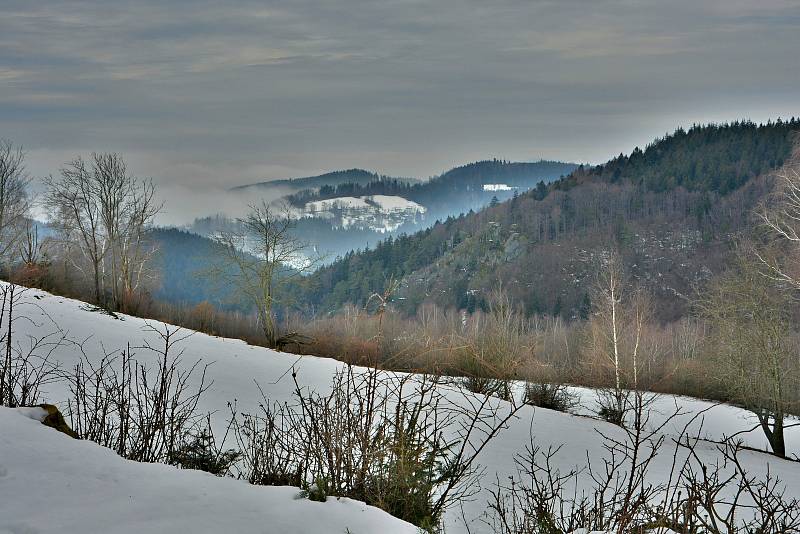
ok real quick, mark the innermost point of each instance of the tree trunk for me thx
(774, 435)
(97, 284)
(777, 441)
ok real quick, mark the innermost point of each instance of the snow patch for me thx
(497, 187)
(33, 412)
(379, 213)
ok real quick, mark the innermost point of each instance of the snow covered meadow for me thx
(50, 483)
(380, 213)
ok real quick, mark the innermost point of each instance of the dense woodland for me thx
(713, 158)
(671, 209)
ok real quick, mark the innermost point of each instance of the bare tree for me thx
(754, 354)
(14, 202)
(265, 255)
(105, 211)
(75, 209)
(619, 318)
(134, 249)
(398, 442)
(30, 247)
(781, 216)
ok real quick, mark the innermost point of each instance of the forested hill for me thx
(714, 158)
(671, 209)
(459, 189)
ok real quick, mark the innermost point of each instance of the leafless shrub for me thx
(618, 493)
(269, 451)
(498, 343)
(724, 497)
(401, 443)
(553, 396)
(142, 412)
(26, 366)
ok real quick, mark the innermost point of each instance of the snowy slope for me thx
(50, 482)
(237, 367)
(338, 202)
(395, 203)
(385, 203)
(380, 213)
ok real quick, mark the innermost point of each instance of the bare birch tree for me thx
(74, 210)
(620, 316)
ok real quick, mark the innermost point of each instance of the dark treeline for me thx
(716, 158)
(358, 176)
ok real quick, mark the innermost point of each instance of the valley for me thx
(399, 267)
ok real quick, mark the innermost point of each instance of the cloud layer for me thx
(223, 93)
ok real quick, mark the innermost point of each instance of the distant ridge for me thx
(334, 178)
(470, 174)
(455, 191)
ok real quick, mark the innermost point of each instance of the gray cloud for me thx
(202, 93)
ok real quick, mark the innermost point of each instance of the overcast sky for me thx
(198, 93)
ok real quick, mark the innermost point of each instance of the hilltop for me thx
(333, 178)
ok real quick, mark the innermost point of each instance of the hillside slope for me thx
(241, 372)
(460, 190)
(50, 482)
(670, 209)
(343, 227)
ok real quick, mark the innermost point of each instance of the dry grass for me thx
(500, 343)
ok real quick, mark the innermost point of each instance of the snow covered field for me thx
(235, 370)
(50, 482)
